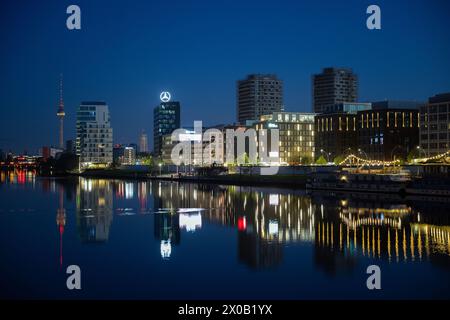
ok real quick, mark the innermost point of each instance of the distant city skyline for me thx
(128, 55)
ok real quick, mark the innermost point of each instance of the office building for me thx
(166, 118)
(389, 131)
(296, 135)
(199, 142)
(94, 134)
(257, 95)
(129, 156)
(435, 125)
(336, 130)
(333, 86)
(118, 153)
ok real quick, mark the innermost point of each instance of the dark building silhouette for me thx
(332, 86)
(257, 95)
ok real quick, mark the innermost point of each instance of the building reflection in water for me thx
(341, 229)
(61, 221)
(167, 231)
(94, 208)
(18, 176)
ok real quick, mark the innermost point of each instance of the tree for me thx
(321, 160)
(148, 161)
(338, 160)
(413, 154)
(305, 160)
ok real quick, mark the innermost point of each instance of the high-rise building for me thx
(296, 135)
(166, 118)
(94, 134)
(143, 142)
(333, 86)
(435, 125)
(258, 95)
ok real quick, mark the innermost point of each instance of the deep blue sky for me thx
(129, 51)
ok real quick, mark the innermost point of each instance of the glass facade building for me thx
(166, 118)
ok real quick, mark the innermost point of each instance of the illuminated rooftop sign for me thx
(165, 96)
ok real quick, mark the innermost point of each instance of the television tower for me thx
(61, 114)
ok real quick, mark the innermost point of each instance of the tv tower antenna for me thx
(61, 114)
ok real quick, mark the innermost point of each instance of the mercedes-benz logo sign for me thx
(165, 96)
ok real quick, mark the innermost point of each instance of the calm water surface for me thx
(167, 240)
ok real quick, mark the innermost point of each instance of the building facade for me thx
(435, 125)
(296, 135)
(118, 153)
(202, 145)
(257, 95)
(336, 129)
(166, 118)
(94, 134)
(129, 156)
(389, 131)
(333, 86)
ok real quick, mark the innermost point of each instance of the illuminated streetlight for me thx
(327, 154)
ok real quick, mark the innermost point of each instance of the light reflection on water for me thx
(272, 225)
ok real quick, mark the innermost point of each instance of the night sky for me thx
(127, 52)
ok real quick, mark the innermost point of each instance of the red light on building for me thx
(242, 223)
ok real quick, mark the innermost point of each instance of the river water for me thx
(169, 240)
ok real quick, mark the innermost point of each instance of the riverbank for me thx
(433, 188)
(289, 181)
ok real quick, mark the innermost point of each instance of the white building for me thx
(143, 142)
(129, 156)
(94, 134)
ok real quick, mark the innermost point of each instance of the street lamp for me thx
(327, 154)
(421, 149)
(360, 151)
(160, 165)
